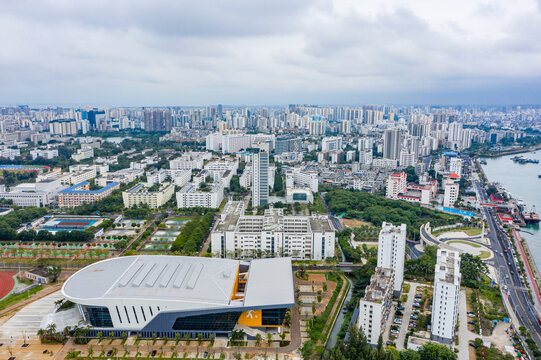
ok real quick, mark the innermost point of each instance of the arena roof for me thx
(196, 282)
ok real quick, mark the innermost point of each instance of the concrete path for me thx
(28, 319)
(464, 335)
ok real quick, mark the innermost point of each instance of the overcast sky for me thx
(123, 53)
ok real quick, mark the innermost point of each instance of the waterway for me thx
(522, 182)
(339, 320)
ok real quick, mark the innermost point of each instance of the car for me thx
(473, 345)
(398, 321)
(400, 308)
(110, 352)
(205, 354)
(506, 276)
(418, 296)
(153, 353)
(412, 325)
(395, 331)
(416, 305)
(471, 322)
(415, 317)
(512, 273)
(389, 343)
(504, 250)
(508, 263)
(471, 315)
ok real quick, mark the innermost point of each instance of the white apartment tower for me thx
(375, 306)
(260, 179)
(451, 187)
(445, 298)
(391, 252)
(396, 183)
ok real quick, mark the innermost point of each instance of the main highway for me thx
(507, 270)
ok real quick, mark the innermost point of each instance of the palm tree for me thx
(258, 340)
(90, 350)
(199, 338)
(187, 338)
(99, 335)
(269, 339)
(177, 337)
(211, 338)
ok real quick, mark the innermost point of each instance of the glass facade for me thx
(273, 317)
(99, 316)
(210, 322)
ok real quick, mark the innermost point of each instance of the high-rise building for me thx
(260, 179)
(158, 120)
(451, 187)
(392, 141)
(396, 183)
(445, 298)
(392, 251)
(332, 143)
(283, 145)
(96, 118)
(376, 304)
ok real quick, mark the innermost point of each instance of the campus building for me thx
(158, 295)
(140, 194)
(272, 234)
(190, 196)
(445, 298)
(391, 252)
(80, 194)
(375, 306)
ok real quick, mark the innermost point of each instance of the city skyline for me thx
(324, 52)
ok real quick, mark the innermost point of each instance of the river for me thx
(522, 182)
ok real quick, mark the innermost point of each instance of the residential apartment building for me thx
(445, 298)
(80, 194)
(331, 143)
(451, 188)
(375, 306)
(84, 153)
(396, 183)
(392, 251)
(272, 234)
(139, 194)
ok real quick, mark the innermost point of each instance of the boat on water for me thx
(524, 160)
(539, 176)
(483, 162)
(530, 217)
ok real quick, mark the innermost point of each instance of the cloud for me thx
(268, 52)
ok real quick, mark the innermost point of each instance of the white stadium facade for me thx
(158, 295)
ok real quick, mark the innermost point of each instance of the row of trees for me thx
(193, 234)
(60, 236)
(10, 222)
(377, 209)
(356, 347)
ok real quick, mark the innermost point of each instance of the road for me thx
(414, 253)
(506, 269)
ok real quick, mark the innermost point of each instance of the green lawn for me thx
(465, 243)
(484, 254)
(12, 299)
(472, 231)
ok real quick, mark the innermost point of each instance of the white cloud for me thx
(345, 51)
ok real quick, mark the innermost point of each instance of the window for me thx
(273, 316)
(210, 322)
(99, 316)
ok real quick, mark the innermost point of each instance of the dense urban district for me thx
(287, 232)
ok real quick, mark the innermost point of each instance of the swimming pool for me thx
(457, 211)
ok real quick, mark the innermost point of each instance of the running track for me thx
(6, 282)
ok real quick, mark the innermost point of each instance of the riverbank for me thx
(512, 152)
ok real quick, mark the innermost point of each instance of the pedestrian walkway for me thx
(27, 321)
(464, 335)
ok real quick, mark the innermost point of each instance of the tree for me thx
(433, 351)
(258, 339)
(54, 272)
(472, 269)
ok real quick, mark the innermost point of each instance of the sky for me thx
(269, 52)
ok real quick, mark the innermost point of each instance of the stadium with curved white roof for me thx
(165, 295)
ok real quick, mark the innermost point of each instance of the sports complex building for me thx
(160, 295)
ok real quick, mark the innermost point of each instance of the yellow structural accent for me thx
(236, 286)
(252, 318)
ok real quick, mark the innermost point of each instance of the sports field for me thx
(6, 282)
